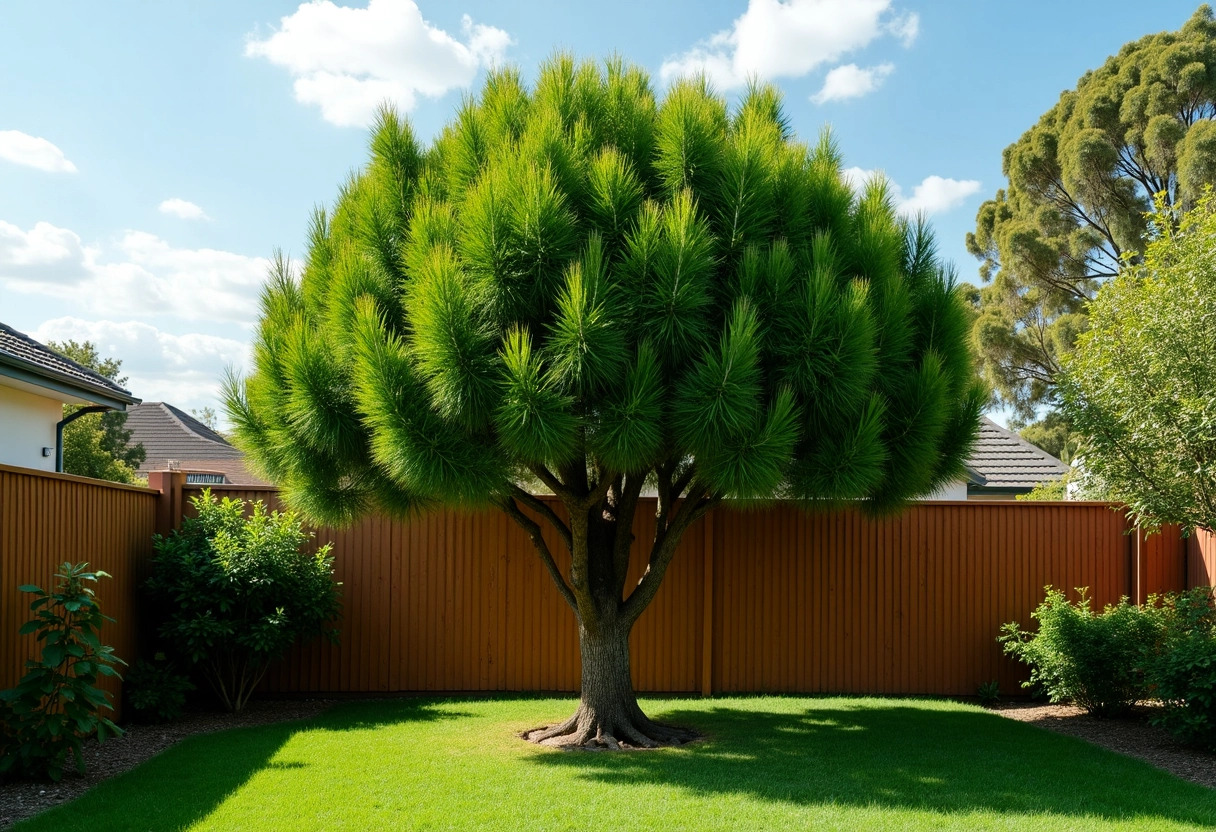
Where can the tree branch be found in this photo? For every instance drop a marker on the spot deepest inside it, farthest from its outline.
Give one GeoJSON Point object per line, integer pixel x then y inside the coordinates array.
{"type": "Point", "coordinates": [530, 526]}
{"type": "Point", "coordinates": [542, 508]}
{"type": "Point", "coordinates": [666, 543]}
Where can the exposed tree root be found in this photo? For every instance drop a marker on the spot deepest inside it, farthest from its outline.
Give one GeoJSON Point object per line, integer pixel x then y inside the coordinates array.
{"type": "Point", "coordinates": [585, 731]}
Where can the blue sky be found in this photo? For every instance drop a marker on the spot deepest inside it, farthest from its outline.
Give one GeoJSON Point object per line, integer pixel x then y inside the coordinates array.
{"type": "Point", "coordinates": [152, 155]}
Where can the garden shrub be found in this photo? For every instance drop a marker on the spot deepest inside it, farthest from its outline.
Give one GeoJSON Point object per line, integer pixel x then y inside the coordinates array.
{"type": "Point", "coordinates": [236, 592]}
{"type": "Point", "coordinates": [1183, 674]}
{"type": "Point", "coordinates": [57, 705]}
{"type": "Point", "coordinates": [155, 690]}
{"type": "Point", "coordinates": [1096, 660]}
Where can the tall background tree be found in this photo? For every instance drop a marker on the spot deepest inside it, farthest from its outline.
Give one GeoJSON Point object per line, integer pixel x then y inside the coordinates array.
{"type": "Point", "coordinates": [1141, 385]}
{"type": "Point", "coordinates": [98, 444]}
{"type": "Point", "coordinates": [582, 291]}
{"type": "Point", "coordinates": [1080, 184]}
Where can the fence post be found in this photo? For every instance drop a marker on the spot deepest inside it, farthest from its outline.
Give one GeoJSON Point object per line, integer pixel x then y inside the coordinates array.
{"type": "Point", "coordinates": [170, 506]}
{"type": "Point", "coordinates": [707, 637]}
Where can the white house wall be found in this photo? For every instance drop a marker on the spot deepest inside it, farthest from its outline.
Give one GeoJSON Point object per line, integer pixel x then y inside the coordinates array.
{"type": "Point", "coordinates": [27, 425]}
{"type": "Point", "coordinates": [956, 490]}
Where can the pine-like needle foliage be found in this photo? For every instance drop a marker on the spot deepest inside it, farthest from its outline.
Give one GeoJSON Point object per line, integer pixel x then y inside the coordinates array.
{"type": "Point", "coordinates": [582, 281]}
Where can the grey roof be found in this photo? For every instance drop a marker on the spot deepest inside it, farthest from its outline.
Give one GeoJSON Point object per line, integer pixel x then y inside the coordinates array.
{"type": "Point", "coordinates": [23, 358]}
{"type": "Point", "coordinates": [1005, 461]}
{"type": "Point", "coordinates": [170, 435]}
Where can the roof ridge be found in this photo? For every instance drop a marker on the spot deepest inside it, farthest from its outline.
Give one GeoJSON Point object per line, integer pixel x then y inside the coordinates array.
{"type": "Point", "coordinates": [1026, 445]}
{"type": "Point", "coordinates": [176, 415]}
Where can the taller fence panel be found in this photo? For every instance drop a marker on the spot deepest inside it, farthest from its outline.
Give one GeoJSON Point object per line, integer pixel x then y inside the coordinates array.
{"type": "Point", "coordinates": [1201, 559]}
{"type": "Point", "coordinates": [46, 519]}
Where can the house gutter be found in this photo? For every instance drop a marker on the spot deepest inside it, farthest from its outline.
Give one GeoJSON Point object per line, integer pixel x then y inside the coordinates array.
{"type": "Point", "coordinates": [67, 420]}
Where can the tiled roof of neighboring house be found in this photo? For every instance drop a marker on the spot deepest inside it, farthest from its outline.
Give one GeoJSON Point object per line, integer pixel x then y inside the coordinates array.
{"type": "Point", "coordinates": [26, 360]}
{"type": "Point", "coordinates": [175, 439]}
{"type": "Point", "coordinates": [1002, 461]}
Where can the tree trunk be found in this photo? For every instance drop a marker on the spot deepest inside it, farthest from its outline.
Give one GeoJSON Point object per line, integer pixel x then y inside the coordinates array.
{"type": "Point", "coordinates": [608, 714]}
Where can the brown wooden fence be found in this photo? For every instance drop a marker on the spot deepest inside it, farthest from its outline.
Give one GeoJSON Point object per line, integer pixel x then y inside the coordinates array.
{"type": "Point", "coordinates": [766, 600]}
{"type": "Point", "coordinates": [763, 600]}
{"type": "Point", "coordinates": [46, 519]}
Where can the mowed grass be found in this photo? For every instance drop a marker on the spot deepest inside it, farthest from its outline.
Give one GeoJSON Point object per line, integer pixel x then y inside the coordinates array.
{"type": "Point", "coordinates": [768, 763]}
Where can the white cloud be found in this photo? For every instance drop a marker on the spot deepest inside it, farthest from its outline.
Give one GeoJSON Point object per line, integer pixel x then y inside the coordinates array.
{"type": "Point", "coordinates": [906, 28]}
{"type": "Point", "coordinates": [790, 38]}
{"type": "Point", "coordinates": [32, 151]}
{"type": "Point", "coordinates": [851, 81]}
{"type": "Point", "coordinates": [182, 209]}
{"type": "Point", "coordinates": [142, 275]}
{"type": "Point", "coordinates": [184, 370]}
{"type": "Point", "coordinates": [934, 195]}
{"type": "Point", "coordinates": [347, 61]}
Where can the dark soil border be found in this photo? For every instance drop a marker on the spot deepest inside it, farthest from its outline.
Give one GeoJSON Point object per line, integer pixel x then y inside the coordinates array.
{"type": "Point", "coordinates": [24, 798]}
{"type": "Point", "coordinates": [1132, 735]}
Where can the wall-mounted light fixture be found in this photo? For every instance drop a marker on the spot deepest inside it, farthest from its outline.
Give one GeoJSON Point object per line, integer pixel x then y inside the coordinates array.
{"type": "Point", "coordinates": [48, 451]}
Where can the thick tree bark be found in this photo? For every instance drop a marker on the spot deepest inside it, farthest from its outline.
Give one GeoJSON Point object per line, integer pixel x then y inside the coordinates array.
{"type": "Point", "coordinates": [608, 714]}
{"type": "Point", "coordinates": [599, 536]}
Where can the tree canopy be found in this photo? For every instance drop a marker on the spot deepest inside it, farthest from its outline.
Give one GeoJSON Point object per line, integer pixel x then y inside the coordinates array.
{"type": "Point", "coordinates": [98, 444]}
{"type": "Point", "coordinates": [1080, 184]}
{"type": "Point", "coordinates": [582, 290]}
{"type": "Point", "coordinates": [1141, 385]}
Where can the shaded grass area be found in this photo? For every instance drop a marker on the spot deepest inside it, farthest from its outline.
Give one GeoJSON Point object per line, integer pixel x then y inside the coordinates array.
{"type": "Point", "coordinates": [767, 763]}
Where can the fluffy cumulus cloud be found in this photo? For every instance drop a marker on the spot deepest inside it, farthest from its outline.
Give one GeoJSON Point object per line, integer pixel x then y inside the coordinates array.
{"type": "Point", "coordinates": [184, 370]}
{"type": "Point", "coordinates": [140, 275]}
{"type": "Point", "coordinates": [347, 61]}
{"type": "Point", "coordinates": [182, 209]}
{"type": "Point", "coordinates": [33, 151]}
{"type": "Point", "coordinates": [790, 39]}
{"type": "Point", "coordinates": [934, 195]}
{"type": "Point", "coordinates": [851, 81]}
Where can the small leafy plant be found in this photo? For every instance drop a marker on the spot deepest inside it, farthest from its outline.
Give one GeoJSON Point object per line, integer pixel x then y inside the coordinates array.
{"type": "Point", "coordinates": [1183, 673]}
{"type": "Point", "coordinates": [236, 592]}
{"type": "Point", "coordinates": [989, 692]}
{"type": "Point", "coordinates": [1096, 660]}
{"type": "Point", "coordinates": [57, 704]}
{"type": "Point", "coordinates": [155, 690]}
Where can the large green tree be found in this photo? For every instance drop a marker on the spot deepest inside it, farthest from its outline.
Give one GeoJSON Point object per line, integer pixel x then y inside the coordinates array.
{"type": "Point", "coordinates": [1141, 385]}
{"type": "Point", "coordinates": [1080, 184]}
{"type": "Point", "coordinates": [98, 445]}
{"type": "Point", "coordinates": [580, 290]}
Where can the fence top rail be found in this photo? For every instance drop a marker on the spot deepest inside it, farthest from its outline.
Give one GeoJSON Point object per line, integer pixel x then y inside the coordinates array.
{"type": "Point", "coordinates": [217, 488]}
{"type": "Point", "coordinates": [54, 475]}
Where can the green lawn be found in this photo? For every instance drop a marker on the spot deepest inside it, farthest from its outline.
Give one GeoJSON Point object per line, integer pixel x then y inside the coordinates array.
{"type": "Point", "coordinates": [769, 763]}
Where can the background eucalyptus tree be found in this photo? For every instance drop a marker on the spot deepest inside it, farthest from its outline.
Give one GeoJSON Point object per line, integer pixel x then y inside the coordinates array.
{"type": "Point", "coordinates": [1081, 186]}
{"type": "Point", "coordinates": [580, 290]}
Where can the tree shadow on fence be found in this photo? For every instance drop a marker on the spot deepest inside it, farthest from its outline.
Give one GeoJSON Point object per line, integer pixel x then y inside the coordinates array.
{"type": "Point", "coordinates": [201, 778]}
{"type": "Point", "coordinates": [902, 757]}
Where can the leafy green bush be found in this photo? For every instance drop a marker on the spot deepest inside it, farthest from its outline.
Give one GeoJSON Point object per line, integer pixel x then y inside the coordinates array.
{"type": "Point", "coordinates": [155, 690]}
{"type": "Point", "coordinates": [236, 592]}
{"type": "Point", "coordinates": [1183, 674]}
{"type": "Point", "coordinates": [57, 704]}
{"type": "Point", "coordinates": [1096, 660]}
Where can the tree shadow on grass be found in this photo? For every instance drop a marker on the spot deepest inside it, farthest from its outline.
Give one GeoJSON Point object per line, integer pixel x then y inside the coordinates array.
{"type": "Point", "coordinates": [905, 757]}
{"type": "Point", "coordinates": [198, 774]}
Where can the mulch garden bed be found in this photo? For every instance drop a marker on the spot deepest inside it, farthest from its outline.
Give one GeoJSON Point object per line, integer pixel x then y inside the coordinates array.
{"type": "Point", "coordinates": [1132, 735]}
{"type": "Point", "coordinates": [19, 800]}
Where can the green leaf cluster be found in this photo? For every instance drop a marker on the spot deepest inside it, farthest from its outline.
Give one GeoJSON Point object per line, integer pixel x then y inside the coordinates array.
{"type": "Point", "coordinates": [57, 705]}
{"type": "Point", "coordinates": [1183, 674]}
{"type": "Point", "coordinates": [1141, 386]}
{"type": "Point", "coordinates": [585, 279]}
{"type": "Point", "coordinates": [1097, 660]}
{"type": "Point", "coordinates": [233, 591]}
{"type": "Point", "coordinates": [1081, 184]}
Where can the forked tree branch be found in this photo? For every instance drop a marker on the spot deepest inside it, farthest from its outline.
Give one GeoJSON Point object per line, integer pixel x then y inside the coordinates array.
{"type": "Point", "coordinates": [532, 528]}
{"type": "Point", "coordinates": [542, 508]}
